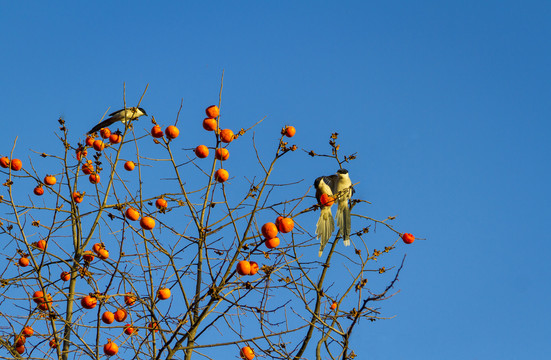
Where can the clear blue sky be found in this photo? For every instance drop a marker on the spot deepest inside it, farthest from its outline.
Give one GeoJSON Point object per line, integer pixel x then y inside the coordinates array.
{"type": "Point", "coordinates": [446, 103]}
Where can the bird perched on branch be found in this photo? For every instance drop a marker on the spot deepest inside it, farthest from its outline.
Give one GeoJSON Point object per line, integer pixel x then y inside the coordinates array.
{"type": "Point", "coordinates": [122, 115]}
{"type": "Point", "coordinates": [343, 191]}
{"type": "Point", "coordinates": [326, 224]}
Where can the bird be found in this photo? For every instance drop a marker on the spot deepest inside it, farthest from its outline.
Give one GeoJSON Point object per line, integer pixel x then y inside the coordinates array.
{"type": "Point", "coordinates": [342, 188]}
{"type": "Point", "coordinates": [326, 224]}
{"type": "Point", "coordinates": [121, 115]}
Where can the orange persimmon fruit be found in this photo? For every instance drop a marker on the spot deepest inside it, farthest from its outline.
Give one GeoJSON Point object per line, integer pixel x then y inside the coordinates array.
{"type": "Point", "coordinates": [172, 132]}
{"type": "Point", "coordinates": [226, 135]}
{"type": "Point", "coordinates": [201, 151]}
{"type": "Point", "coordinates": [247, 353]}
{"type": "Point", "coordinates": [163, 293]}
{"type": "Point", "coordinates": [98, 145]}
{"type": "Point", "coordinates": [121, 315]}
{"type": "Point", "coordinates": [161, 204]}
{"type": "Point", "coordinates": [269, 230]}
{"type": "Point", "coordinates": [105, 133]}
{"type": "Point", "coordinates": [108, 317]}
{"type": "Point", "coordinates": [132, 214]}
{"type": "Point", "coordinates": [129, 165]}
{"type": "Point", "coordinates": [16, 164]}
{"type": "Point", "coordinates": [254, 267]}
{"type": "Point", "coordinates": [210, 124]}
{"type": "Point", "coordinates": [88, 302]}
{"type": "Point", "coordinates": [290, 131]}
{"type": "Point", "coordinates": [221, 175]}
{"type": "Point", "coordinates": [94, 178]}
{"type": "Point", "coordinates": [272, 243]}
{"type": "Point", "coordinates": [222, 154]}
{"type": "Point", "coordinates": [4, 162]}
{"type": "Point", "coordinates": [157, 132]}
{"type": "Point", "coordinates": [147, 223]}
{"type": "Point", "coordinates": [39, 190]}
{"type": "Point", "coordinates": [408, 238]}
{"type": "Point", "coordinates": [24, 262]}
{"type": "Point", "coordinates": [110, 348]}
{"type": "Point", "coordinates": [212, 111]}
{"type": "Point", "coordinates": [244, 267]}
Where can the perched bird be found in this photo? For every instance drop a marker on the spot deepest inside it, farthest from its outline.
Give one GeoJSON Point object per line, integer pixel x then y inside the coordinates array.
{"type": "Point", "coordinates": [342, 188]}
{"type": "Point", "coordinates": [121, 115]}
{"type": "Point", "coordinates": [326, 224]}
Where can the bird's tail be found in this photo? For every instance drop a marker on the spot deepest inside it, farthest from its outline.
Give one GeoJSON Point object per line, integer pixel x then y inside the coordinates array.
{"type": "Point", "coordinates": [325, 227]}
{"type": "Point", "coordinates": [104, 123]}
{"type": "Point", "coordinates": [344, 222]}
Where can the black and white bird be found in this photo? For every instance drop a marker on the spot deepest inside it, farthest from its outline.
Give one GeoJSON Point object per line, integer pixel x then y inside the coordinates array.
{"type": "Point", "coordinates": [342, 188]}
{"type": "Point", "coordinates": [326, 224]}
{"type": "Point", "coordinates": [122, 115]}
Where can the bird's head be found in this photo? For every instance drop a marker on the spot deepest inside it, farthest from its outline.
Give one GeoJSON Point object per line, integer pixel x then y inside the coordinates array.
{"type": "Point", "coordinates": [342, 171]}
{"type": "Point", "coordinates": [142, 111]}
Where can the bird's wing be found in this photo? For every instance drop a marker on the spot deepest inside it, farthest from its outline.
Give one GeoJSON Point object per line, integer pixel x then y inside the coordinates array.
{"type": "Point", "coordinates": [332, 181]}
{"type": "Point", "coordinates": [115, 112]}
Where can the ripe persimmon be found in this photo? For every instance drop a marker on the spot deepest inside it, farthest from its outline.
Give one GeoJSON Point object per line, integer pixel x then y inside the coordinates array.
{"type": "Point", "coordinates": [132, 214]}
{"type": "Point", "coordinates": [39, 190]}
{"type": "Point", "coordinates": [161, 204]}
{"type": "Point", "coordinates": [172, 132]}
{"type": "Point", "coordinates": [28, 331]}
{"type": "Point", "coordinates": [89, 141]}
{"type": "Point", "coordinates": [20, 349]}
{"type": "Point", "coordinates": [38, 296]}
{"type": "Point", "coordinates": [97, 247]}
{"type": "Point", "coordinates": [147, 223]}
{"type": "Point", "coordinates": [103, 254]}
{"type": "Point", "coordinates": [128, 329]}
{"type": "Point", "coordinates": [129, 299]}
{"type": "Point", "coordinates": [212, 111]}
{"type": "Point", "coordinates": [98, 145]}
{"type": "Point", "coordinates": [222, 154]}
{"type": "Point", "coordinates": [42, 244]}
{"type": "Point", "coordinates": [88, 256]}
{"type": "Point", "coordinates": [94, 178]}
{"type": "Point", "coordinates": [226, 135]}
{"type": "Point", "coordinates": [110, 348]}
{"type": "Point", "coordinates": [285, 225]}
{"type": "Point", "coordinates": [24, 262]}
{"type": "Point", "coordinates": [244, 267]}
{"type": "Point", "coordinates": [115, 138]}
{"type": "Point", "coordinates": [163, 293]}
{"type": "Point", "coordinates": [78, 197]}
{"type": "Point", "coordinates": [108, 317]}
{"type": "Point", "coordinates": [129, 165]}
{"type": "Point", "coordinates": [53, 344]}
{"type": "Point", "coordinates": [88, 302]}
{"type": "Point", "coordinates": [290, 131]}
{"type": "Point", "coordinates": [80, 153]}
{"type": "Point", "coordinates": [157, 132]}
{"type": "Point", "coordinates": [105, 133]}
{"type": "Point", "coordinates": [4, 162]}
{"type": "Point", "coordinates": [201, 151]}
{"type": "Point", "coordinates": [327, 200]}
{"type": "Point", "coordinates": [16, 164]}
{"type": "Point", "coordinates": [210, 124]}
{"type": "Point", "coordinates": [20, 340]}
{"type": "Point", "coordinates": [408, 238]}
{"type": "Point", "coordinates": [221, 175]}
{"type": "Point", "coordinates": [121, 315]}
{"type": "Point", "coordinates": [50, 180]}
{"type": "Point", "coordinates": [247, 353]}
{"type": "Point", "coordinates": [334, 305]}
{"type": "Point", "coordinates": [65, 276]}
{"type": "Point", "coordinates": [272, 243]}
{"type": "Point", "coordinates": [269, 230]}
{"type": "Point", "coordinates": [254, 268]}
{"type": "Point", "coordinates": [87, 168]}
{"type": "Point", "coordinates": [153, 326]}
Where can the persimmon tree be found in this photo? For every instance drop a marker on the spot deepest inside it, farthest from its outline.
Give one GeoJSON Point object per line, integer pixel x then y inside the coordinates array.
{"type": "Point", "coordinates": [123, 244]}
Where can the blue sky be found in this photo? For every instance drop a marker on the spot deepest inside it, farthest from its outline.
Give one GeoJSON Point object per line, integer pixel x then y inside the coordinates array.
{"type": "Point", "coordinates": [446, 104]}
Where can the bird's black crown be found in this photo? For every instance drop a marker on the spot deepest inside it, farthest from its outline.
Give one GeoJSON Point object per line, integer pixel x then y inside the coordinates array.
{"type": "Point", "coordinates": [342, 171]}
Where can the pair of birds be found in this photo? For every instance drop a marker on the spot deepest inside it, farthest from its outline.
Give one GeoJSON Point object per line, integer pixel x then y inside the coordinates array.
{"type": "Point", "coordinates": [340, 186]}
